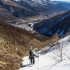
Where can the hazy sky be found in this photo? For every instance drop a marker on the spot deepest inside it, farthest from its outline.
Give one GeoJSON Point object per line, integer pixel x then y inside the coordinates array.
{"type": "Point", "coordinates": [61, 0]}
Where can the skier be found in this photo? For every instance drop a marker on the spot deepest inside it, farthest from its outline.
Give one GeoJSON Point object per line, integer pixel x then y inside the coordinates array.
{"type": "Point", "coordinates": [32, 56]}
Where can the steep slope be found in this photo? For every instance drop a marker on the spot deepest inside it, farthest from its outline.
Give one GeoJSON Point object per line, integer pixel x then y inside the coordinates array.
{"type": "Point", "coordinates": [59, 24]}
{"type": "Point", "coordinates": [15, 43]}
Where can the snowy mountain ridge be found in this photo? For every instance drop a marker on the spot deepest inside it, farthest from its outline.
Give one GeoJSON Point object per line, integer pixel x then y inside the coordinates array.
{"type": "Point", "coordinates": [36, 1]}
{"type": "Point", "coordinates": [52, 59]}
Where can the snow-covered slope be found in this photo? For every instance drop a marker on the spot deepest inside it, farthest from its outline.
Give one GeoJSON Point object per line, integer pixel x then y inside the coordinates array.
{"type": "Point", "coordinates": [52, 59]}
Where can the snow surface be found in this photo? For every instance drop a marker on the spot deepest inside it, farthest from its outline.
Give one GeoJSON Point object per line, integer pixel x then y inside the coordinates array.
{"type": "Point", "coordinates": [51, 59]}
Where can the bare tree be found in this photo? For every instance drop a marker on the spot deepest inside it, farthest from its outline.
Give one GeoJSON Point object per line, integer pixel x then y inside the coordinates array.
{"type": "Point", "coordinates": [58, 55]}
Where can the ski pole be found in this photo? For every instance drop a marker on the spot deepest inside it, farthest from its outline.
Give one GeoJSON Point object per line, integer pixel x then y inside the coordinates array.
{"type": "Point", "coordinates": [31, 46]}
{"type": "Point", "coordinates": [38, 58]}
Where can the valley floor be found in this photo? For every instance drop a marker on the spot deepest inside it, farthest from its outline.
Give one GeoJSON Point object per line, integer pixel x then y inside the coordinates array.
{"type": "Point", "coordinates": [52, 59]}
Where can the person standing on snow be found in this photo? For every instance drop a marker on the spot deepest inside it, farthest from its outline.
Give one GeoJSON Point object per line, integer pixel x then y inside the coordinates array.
{"type": "Point", "coordinates": [32, 56]}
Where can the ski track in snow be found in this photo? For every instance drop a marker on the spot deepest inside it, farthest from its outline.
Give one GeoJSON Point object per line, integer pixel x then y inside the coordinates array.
{"type": "Point", "coordinates": [50, 60]}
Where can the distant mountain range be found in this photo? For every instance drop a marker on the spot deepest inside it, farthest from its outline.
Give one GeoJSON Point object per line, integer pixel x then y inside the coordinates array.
{"type": "Point", "coordinates": [13, 9]}
{"type": "Point", "coordinates": [66, 4]}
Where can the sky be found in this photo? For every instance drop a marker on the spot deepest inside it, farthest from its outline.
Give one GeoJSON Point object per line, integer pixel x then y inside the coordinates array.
{"type": "Point", "coordinates": [61, 0]}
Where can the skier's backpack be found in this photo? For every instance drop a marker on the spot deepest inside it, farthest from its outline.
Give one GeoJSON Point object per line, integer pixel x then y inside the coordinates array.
{"type": "Point", "coordinates": [31, 52]}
